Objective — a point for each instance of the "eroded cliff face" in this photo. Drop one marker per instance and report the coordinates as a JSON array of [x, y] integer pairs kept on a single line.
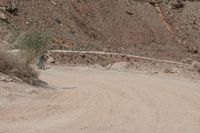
[[155, 28], [184, 18]]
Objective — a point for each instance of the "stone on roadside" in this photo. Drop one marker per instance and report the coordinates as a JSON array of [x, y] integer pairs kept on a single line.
[[171, 70], [50, 60], [120, 66]]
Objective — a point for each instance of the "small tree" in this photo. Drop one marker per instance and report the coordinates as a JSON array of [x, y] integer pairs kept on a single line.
[[34, 44]]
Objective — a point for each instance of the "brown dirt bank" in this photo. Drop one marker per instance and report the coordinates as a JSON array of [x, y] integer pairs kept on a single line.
[[159, 28]]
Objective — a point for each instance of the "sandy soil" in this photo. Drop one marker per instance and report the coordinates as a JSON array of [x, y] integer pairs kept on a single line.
[[87, 100]]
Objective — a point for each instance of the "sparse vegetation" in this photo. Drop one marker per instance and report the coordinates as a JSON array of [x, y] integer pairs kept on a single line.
[[33, 44]]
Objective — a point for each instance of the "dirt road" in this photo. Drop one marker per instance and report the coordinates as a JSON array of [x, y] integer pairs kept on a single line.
[[98, 101]]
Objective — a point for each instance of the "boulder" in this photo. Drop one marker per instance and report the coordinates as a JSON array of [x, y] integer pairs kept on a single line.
[[50, 60], [178, 4], [119, 66], [3, 16], [171, 70], [12, 8]]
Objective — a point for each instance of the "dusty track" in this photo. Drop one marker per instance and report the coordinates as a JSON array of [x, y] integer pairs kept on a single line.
[[94, 101]]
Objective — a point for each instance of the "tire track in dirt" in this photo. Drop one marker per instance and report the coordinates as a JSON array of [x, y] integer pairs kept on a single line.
[[104, 102]]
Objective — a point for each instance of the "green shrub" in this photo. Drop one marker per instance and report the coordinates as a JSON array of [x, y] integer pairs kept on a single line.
[[33, 44]]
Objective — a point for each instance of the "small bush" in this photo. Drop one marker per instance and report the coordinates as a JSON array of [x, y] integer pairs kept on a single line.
[[33, 44]]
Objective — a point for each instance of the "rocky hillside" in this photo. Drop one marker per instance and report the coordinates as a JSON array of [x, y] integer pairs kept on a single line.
[[165, 29]]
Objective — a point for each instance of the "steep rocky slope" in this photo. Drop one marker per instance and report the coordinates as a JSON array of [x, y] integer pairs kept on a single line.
[[155, 28]]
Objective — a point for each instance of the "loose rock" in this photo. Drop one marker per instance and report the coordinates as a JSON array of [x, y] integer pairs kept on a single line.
[[3, 16], [196, 66]]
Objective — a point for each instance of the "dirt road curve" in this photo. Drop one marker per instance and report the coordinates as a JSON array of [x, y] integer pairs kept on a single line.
[[94, 101]]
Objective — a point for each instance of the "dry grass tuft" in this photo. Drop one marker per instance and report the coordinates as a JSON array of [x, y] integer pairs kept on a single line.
[[14, 66], [33, 44]]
